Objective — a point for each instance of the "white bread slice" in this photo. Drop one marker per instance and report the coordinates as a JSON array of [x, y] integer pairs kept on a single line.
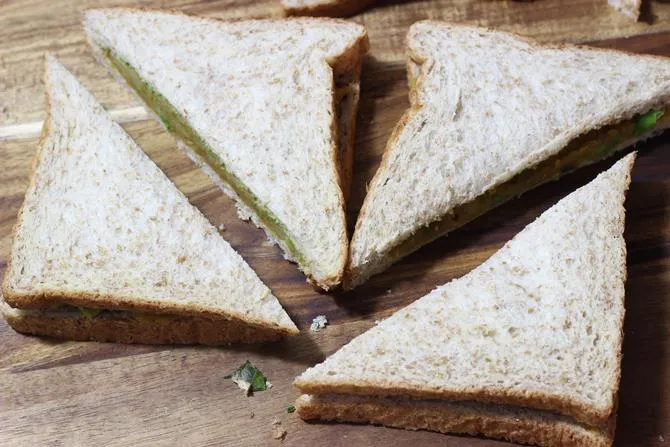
[[537, 326], [102, 227], [488, 107], [629, 8], [329, 8], [262, 96]]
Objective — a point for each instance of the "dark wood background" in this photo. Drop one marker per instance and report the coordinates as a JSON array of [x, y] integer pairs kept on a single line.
[[65, 393]]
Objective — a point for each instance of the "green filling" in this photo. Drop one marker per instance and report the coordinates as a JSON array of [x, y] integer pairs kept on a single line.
[[178, 125], [582, 151], [646, 122]]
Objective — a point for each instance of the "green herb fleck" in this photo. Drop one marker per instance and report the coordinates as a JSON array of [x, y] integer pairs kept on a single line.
[[290, 409], [647, 121], [166, 123], [249, 378], [90, 313]]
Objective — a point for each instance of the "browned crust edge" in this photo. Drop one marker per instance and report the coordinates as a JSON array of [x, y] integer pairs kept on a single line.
[[335, 8], [181, 330], [349, 61], [457, 419]]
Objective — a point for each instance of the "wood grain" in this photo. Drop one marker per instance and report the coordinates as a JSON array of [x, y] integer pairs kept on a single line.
[[64, 393]]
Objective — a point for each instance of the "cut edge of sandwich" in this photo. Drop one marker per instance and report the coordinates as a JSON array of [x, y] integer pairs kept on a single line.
[[328, 8], [20, 304], [584, 147], [346, 94], [514, 424], [119, 326]]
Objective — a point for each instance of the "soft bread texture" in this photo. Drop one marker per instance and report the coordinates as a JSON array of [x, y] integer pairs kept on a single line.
[[629, 8], [119, 327], [263, 95], [519, 425], [538, 325], [329, 8], [486, 106], [102, 227]]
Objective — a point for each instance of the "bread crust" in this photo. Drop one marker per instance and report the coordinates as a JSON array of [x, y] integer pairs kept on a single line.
[[105, 328], [334, 8], [347, 63], [524, 427], [52, 298]]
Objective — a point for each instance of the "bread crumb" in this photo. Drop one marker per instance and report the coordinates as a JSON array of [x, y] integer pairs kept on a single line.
[[278, 432], [377, 322], [389, 291], [251, 416], [661, 438], [268, 384], [221, 227], [319, 322]]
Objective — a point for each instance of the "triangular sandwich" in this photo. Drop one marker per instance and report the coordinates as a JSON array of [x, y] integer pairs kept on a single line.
[[266, 107], [526, 347], [107, 248], [493, 115]]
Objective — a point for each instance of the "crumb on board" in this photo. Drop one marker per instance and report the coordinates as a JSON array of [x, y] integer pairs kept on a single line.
[[251, 416], [389, 291], [278, 432], [221, 227], [319, 322]]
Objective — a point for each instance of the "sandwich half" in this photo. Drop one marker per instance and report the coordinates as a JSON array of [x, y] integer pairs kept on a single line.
[[267, 108], [493, 115], [106, 248], [329, 8], [526, 347]]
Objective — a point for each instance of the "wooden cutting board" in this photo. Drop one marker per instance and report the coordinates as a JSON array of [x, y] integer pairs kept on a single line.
[[64, 393]]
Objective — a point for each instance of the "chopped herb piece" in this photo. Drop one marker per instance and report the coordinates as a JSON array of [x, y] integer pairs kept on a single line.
[[249, 378], [647, 121], [290, 409]]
